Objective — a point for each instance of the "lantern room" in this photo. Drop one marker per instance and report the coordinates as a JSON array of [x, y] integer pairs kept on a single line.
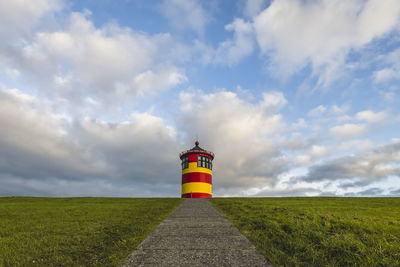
[[196, 172]]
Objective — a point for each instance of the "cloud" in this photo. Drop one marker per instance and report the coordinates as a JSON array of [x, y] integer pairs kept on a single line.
[[294, 34], [288, 192], [391, 71], [299, 142], [371, 192], [362, 169], [231, 52], [253, 7], [354, 130], [340, 110], [17, 17], [132, 148], [318, 111], [372, 117], [273, 101], [46, 153], [166, 78], [395, 192], [348, 130], [84, 120], [301, 123], [386, 74], [100, 58], [107, 63], [240, 134], [319, 151], [315, 153], [332, 113], [35, 142], [186, 15]]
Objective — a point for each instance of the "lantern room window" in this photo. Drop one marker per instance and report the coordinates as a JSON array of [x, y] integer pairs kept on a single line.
[[185, 163], [204, 162]]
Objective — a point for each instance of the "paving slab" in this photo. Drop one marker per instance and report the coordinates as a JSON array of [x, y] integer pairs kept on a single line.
[[196, 234]]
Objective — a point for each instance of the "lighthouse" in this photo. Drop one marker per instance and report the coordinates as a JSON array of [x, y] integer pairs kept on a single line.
[[196, 172]]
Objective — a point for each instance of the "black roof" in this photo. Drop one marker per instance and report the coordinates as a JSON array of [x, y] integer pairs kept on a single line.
[[196, 148]]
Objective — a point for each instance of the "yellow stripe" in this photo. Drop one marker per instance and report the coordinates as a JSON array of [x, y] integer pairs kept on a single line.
[[196, 188], [193, 168]]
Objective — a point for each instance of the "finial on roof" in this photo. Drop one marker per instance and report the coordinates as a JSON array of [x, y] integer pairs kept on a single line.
[[197, 143]]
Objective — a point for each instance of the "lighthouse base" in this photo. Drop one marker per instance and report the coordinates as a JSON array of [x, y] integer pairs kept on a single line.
[[196, 195]]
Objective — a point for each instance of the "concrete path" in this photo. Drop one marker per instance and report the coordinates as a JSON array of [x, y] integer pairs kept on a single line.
[[196, 234]]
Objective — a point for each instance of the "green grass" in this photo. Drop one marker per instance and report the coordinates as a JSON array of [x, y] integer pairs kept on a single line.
[[319, 231], [76, 231]]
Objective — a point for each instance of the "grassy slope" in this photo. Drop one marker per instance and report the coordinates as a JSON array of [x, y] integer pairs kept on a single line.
[[319, 231], [76, 231]]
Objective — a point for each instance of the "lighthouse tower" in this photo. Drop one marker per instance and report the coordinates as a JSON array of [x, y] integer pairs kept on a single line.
[[196, 172]]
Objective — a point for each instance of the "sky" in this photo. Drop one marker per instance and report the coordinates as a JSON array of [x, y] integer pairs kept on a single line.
[[294, 97]]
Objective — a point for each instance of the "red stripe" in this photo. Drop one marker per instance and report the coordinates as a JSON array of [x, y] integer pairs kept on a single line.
[[196, 195], [193, 177], [193, 158]]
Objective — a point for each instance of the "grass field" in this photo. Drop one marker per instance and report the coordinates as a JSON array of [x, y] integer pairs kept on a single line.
[[76, 231], [319, 231]]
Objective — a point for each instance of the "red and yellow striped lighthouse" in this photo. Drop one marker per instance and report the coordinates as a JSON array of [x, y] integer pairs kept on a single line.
[[196, 172]]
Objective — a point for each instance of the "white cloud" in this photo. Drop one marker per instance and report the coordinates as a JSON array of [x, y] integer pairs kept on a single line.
[[240, 134], [186, 14], [299, 142], [132, 148], [233, 51], [166, 78], [18, 16], [301, 123], [340, 110], [319, 151], [41, 146], [273, 101], [303, 160], [333, 112], [354, 130], [318, 111], [12, 73], [361, 169], [392, 69], [51, 146], [348, 130], [35, 141], [315, 153], [44, 153], [321, 33], [386, 74], [253, 7], [372, 117], [106, 63]]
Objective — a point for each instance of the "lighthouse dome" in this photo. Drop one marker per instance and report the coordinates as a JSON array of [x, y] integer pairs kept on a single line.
[[196, 149]]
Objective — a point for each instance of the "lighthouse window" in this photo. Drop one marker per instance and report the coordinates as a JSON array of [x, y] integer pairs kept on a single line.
[[204, 162], [185, 163]]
